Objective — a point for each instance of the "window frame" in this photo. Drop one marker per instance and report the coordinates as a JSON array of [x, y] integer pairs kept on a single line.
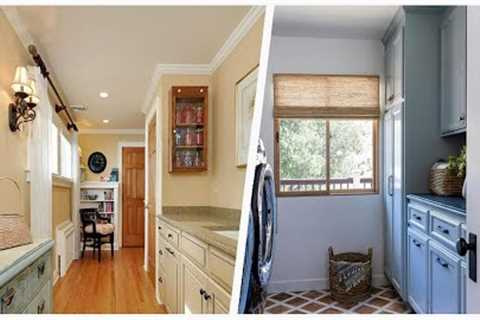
[[60, 157], [312, 115]]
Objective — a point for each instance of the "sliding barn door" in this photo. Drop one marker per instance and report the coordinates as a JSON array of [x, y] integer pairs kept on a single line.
[[133, 195]]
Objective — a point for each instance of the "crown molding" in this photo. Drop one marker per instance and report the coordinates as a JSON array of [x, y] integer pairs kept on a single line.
[[232, 41], [236, 36], [111, 131]]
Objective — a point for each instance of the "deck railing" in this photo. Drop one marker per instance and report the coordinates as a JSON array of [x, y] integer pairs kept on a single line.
[[336, 184]]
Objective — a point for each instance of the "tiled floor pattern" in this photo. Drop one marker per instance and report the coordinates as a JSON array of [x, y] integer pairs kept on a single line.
[[382, 300]]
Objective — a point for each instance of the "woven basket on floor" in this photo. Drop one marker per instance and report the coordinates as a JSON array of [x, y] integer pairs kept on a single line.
[[350, 276], [444, 182]]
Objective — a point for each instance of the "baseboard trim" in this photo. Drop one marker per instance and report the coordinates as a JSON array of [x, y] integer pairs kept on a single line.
[[313, 284]]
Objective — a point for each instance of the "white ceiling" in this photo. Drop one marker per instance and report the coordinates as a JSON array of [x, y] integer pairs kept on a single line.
[[352, 22], [115, 49]]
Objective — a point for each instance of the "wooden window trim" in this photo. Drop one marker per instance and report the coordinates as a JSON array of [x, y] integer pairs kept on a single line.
[[351, 192]]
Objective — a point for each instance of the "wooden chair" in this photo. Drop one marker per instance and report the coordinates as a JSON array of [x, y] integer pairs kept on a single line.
[[96, 231]]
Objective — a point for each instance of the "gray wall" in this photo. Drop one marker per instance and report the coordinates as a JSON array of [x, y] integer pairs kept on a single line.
[[309, 225]]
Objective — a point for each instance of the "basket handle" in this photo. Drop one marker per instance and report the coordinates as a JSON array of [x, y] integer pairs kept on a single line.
[[330, 252], [17, 186]]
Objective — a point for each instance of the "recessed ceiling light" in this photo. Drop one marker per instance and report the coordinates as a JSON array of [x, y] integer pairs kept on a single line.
[[106, 121], [103, 95]]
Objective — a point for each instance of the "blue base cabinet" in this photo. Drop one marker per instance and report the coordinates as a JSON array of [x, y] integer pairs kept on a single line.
[[436, 274]]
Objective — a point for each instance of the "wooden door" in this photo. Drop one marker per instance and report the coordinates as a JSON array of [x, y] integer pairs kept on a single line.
[[133, 195], [152, 151]]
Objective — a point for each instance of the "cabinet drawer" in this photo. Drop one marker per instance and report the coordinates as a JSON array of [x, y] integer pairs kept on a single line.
[[418, 217], [169, 233], [221, 267], [445, 281], [41, 271], [220, 298], [15, 295], [41, 304], [194, 249], [444, 228]]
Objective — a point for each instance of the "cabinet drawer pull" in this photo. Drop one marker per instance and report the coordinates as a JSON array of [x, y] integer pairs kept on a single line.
[[41, 307], [417, 217], [41, 270], [159, 228], [170, 251], [160, 252], [418, 244], [202, 292], [160, 280], [8, 297], [442, 263], [169, 235], [441, 229]]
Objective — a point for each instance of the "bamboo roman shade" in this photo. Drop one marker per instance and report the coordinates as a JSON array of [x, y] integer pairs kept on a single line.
[[326, 96]]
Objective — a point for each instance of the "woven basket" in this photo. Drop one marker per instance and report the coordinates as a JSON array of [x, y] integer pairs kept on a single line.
[[444, 182], [14, 231], [350, 276]]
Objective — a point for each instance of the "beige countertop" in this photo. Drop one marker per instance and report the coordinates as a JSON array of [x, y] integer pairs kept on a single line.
[[210, 225]]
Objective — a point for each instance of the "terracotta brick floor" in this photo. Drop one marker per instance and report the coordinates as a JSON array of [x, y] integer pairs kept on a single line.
[[383, 300]]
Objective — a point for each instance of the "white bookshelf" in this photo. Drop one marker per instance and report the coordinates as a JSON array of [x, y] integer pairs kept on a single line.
[[104, 197]]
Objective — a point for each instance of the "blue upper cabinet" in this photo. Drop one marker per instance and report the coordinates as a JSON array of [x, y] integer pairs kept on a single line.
[[453, 72], [394, 68]]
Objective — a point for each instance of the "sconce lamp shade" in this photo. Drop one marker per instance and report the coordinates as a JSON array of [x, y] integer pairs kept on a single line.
[[32, 99], [20, 83]]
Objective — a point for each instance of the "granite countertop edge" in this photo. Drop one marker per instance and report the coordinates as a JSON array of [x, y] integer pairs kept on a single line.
[[223, 243], [434, 200]]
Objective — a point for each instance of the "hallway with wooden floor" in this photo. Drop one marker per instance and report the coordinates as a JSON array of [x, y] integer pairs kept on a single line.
[[118, 285]]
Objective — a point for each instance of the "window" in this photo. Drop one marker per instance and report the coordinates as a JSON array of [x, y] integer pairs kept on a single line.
[[54, 149], [65, 157], [326, 134], [61, 152]]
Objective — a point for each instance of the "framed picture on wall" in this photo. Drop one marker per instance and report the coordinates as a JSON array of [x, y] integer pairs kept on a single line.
[[245, 90]]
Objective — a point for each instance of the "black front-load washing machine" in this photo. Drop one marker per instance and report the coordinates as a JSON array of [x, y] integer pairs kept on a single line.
[[262, 227]]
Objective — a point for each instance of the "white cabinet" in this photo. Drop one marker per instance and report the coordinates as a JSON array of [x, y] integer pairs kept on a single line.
[[453, 72], [195, 297], [171, 279], [193, 277]]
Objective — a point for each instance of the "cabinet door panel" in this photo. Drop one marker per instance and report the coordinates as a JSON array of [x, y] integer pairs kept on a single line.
[[417, 261], [194, 283], [453, 71], [398, 64], [171, 280], [445, 281], [388, 192]]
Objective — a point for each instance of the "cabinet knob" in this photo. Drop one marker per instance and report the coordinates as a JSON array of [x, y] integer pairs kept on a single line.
[[461, 118], [160, 279], [41, 307], [7, 299], [41, 270], [442, 263]]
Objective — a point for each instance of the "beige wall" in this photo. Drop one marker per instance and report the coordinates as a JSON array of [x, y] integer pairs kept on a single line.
[[227, 179], [108, 145], [222, 184], [183, 188], [13, 146]]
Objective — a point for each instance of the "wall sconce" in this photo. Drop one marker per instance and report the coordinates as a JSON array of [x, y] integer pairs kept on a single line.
[[25, 92]]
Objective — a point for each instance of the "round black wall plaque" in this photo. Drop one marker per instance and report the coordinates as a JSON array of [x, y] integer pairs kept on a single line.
[[97, 162]]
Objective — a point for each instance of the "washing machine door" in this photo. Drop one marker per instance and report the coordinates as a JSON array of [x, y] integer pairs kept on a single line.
[[265, 214]]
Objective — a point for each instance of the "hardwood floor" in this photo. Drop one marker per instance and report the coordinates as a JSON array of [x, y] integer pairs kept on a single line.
[[118, 285]]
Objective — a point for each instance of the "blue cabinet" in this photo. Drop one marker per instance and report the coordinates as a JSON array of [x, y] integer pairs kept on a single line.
[[453, 75], [436, 274], [445, 278], [417, 271]]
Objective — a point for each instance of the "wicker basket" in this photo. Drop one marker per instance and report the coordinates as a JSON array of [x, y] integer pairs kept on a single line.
[[444, 182], [350, 276]]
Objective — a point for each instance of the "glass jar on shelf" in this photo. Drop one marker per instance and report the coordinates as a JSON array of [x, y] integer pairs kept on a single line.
[[189, 137], [199, 114], [197, 162], [199, 136], [179, 114], [179, 137], [178, 159], [188, 114], [188, 159]]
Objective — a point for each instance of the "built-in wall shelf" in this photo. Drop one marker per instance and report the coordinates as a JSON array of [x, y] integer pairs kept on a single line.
[[189, 124], [104, 197]]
